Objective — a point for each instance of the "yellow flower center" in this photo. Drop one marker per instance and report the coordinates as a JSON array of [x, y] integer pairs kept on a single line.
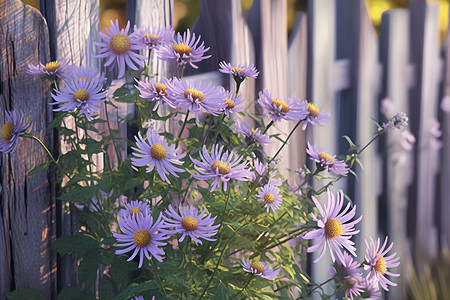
[[189, 223], [120, 43], [313, 110], [326, 157], [230, 104], [224, 169], [182, 49], [161, 88], [7, 131], [51, 67], [81, 95], [256, 265], [147, 36], [251, 131], [135, 210], [284, 106], [237, 70], [380, 265], [142, 238], [352, 281], [157, 151], [269, 198], [82, 78], [333, 228], [195, 94]]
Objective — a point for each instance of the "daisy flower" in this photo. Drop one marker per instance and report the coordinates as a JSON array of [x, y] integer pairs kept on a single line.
[[85, 95], [52, 68], [135, 207], [314, 115], [14, 127], [290, 109], [327, 161], [232, 102], [334, 230], [184, 49], [271, 197], [118, 47], [153, 37], [259, 268], [239, 72], [154, 151], [196, 96], [190, 223], [378, 263], [253, 134], [220, 166], [142, 236], [155, 91]]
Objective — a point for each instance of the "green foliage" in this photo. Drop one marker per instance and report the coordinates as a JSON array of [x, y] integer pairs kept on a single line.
[[25, 293]]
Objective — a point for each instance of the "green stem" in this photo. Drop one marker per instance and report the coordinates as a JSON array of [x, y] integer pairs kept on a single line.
[[155, 270], [182, 127], [284, 143], [222, 117], [319, 286], [238, 86], [368, 144], [116, 150], [29, 136], [267, 127], [182, 71], [187, 189], [251, 277]]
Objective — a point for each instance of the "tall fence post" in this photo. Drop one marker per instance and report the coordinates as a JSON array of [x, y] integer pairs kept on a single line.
[[27, 211]]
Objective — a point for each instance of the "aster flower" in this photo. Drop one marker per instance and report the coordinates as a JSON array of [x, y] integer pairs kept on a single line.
[[253, 134], [190, 223], [399, 121], [184, 49], [378, 263], [370, 289], [327, 161], [345, 270], [315, 116], [232, 102], [220, 166], [289, 109], [118, 47], [155, 91], [81, 94], [62, 70], [271, 197], [196, 96], [153, 37], [135, 207], [87, 74], [259, 269], [14, 127], [142, 236], [240, 72], [154, 151], [334, 230]]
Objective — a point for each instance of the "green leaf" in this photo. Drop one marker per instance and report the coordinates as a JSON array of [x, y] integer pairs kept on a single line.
[[72, 293], [137, 289], [105, 288], [39, 167], [25, 293], [87, 270], [79, 193], [75, 243], [222, 292]]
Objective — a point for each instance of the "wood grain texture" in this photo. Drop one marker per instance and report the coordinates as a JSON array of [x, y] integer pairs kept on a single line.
[[27, 202], [394, 55]]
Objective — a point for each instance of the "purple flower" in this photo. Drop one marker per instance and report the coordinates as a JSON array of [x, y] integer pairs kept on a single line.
[[87, 74], [141, 235], [185, 49], [153, 37], [52, 68], [81, 94], [232, 102], [345, 271], [327, 161], [370, 289], [14, 127], [334, 230], [196, 96], [118, 47], [378, 263], [271, 197], [135, 207], [220, 166], [155, 91], [240, 72], [259, 268], [190, 223], [253, 134], [315, 116], [290, 109], [154, 151]]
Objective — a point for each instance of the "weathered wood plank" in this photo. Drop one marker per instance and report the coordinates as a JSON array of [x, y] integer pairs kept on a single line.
[[27, 202], [394, 55], [424, 45]]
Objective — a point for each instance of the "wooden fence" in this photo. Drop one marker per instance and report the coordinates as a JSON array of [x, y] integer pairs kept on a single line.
[[333, 57]]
